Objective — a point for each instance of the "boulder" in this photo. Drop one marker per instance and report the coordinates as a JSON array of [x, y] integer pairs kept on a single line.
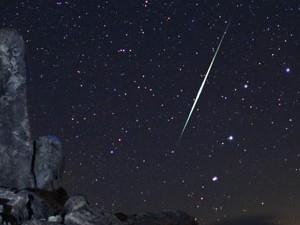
[[20, 206], [57, 218], [77, 212], [91, 216], [74, 203], [15, 141], [48, 163]]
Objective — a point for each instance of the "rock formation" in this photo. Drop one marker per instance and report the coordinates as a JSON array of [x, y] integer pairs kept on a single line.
[[48, 163], [38, 207], [22, 164], [30, 173], [15, 142]]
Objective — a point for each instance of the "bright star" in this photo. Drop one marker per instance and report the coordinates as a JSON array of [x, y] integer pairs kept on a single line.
[[230, 138]]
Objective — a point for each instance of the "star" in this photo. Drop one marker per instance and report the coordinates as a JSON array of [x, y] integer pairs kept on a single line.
[[230, 138], [215, 178]]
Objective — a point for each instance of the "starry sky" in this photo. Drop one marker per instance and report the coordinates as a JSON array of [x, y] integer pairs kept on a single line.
[[115, 81]]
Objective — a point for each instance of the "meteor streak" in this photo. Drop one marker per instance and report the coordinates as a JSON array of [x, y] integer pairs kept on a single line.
[[203, 82]]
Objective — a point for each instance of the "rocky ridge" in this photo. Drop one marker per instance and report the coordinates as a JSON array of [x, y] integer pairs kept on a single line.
[[31, 192]]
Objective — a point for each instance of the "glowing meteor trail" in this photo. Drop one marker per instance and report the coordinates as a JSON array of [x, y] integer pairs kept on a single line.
[[203, 82]]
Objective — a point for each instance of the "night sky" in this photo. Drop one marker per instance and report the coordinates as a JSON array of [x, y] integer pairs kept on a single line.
[[115, 81]]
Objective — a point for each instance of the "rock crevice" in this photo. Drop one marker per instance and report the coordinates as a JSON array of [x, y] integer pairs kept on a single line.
[[33, 162]]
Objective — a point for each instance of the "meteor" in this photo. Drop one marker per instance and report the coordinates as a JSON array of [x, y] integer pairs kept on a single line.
[[203, 82]]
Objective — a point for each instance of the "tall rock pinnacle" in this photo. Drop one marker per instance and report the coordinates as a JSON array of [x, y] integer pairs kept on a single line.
[[15, 141]]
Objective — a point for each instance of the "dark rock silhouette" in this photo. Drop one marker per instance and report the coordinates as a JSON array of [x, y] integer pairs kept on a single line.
[[165, 217], [249, 220], [30, 173]]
